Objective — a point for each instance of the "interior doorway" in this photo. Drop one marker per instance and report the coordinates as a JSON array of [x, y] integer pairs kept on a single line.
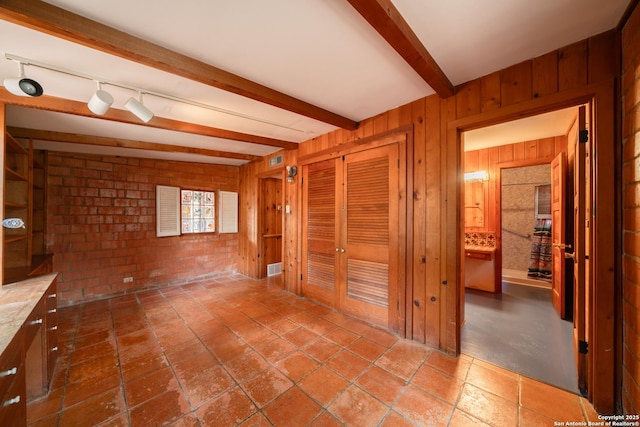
[[511, 322], [525, 194], [270, 223]]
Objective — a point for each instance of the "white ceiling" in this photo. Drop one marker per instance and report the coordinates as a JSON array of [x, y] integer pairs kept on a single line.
[[319, 51], [555, 123]]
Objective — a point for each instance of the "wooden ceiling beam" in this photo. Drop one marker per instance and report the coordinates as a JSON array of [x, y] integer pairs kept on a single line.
[[383, 16], [44, 135], [55, 21], [51, 103]]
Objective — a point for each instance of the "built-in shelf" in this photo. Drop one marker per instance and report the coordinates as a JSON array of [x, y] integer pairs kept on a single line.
[[24, 198]]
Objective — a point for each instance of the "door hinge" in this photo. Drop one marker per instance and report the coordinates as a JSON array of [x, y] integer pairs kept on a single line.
[[583, 136], [301, 277], [583, 347], [398, 163]]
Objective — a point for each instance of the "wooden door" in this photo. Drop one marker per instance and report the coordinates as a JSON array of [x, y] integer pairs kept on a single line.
[[351, 235], [320, 243], [581, 228], [558, 171], [369, 234]]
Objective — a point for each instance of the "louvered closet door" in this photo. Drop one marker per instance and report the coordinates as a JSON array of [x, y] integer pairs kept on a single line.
[[369, 234], [319, 243]]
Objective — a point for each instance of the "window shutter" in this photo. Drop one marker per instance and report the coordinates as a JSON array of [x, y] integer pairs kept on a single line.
[[167, 211], [228, 202]]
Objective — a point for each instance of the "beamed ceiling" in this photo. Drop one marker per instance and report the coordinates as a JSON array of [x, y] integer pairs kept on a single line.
[[271, 74]]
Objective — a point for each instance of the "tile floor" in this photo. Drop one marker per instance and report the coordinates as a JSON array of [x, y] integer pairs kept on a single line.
[[237, 351]]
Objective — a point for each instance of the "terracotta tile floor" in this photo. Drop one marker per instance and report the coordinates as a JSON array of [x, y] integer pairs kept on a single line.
[[237, 351]]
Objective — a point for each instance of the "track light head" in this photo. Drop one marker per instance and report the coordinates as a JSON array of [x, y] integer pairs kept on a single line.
[[23, 86], [138, 109], [100, 102]]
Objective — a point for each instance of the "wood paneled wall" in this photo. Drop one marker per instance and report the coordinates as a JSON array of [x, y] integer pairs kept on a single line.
[[519, 154], [434, 306], [250, 249]]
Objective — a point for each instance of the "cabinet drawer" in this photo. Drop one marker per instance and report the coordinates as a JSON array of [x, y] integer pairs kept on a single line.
[[34, 323], [479, 255], [10, 365], [13, 410], [51, 303]]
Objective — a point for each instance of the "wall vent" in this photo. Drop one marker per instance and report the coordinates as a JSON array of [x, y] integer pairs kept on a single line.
[[276, 161], [273, 269]]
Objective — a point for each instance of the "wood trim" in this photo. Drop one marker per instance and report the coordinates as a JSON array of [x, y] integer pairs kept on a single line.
[[601, 305], [3, 140], [525, 162], [606, 260], [452, 234], [421, 308], [432, 217], [566, 98], [389, 23], [406, 211], [44, 135], [60, 105], [55, 21], [627, 14], [389, 137]]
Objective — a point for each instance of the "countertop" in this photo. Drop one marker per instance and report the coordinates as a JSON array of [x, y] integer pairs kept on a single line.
[[482, 249], [17, 301]]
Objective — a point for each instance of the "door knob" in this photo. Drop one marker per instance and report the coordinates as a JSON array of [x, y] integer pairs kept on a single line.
[[342, 250], [569, 255], [561, 246]]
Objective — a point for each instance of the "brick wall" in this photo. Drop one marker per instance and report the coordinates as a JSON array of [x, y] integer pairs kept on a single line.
[[631, 213], [101, 226]]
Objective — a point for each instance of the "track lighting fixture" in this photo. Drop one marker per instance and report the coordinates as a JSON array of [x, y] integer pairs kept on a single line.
[[23, 86], [138, 109], [100, 102]]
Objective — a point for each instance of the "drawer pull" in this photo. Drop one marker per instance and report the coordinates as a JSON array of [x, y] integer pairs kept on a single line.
[[8, 372], [53, 310], [12, 401], [53, 295], [53, 328], [54, 349], [35, 322]]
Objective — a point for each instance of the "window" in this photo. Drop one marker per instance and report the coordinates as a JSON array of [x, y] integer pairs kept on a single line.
[[180, 211], [198, 211], [543, 201]]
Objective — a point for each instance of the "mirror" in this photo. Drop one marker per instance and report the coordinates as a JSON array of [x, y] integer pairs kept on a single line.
[[474, 201]]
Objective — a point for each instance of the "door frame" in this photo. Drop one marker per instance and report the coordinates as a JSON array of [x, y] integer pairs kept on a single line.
[[500, 167], [604, 336], [279, 173]]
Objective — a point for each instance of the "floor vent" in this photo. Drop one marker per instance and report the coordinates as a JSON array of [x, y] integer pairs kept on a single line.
[[273, 269]]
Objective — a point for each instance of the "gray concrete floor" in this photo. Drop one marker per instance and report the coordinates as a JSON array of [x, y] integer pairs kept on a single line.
[[519, 330]]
